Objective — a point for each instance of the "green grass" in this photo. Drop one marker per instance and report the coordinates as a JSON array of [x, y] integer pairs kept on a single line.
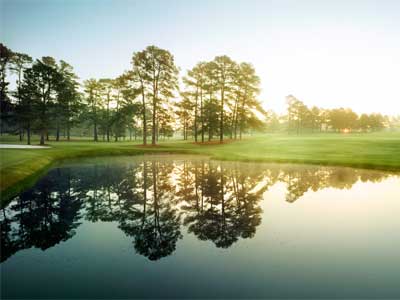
[[19, 168]]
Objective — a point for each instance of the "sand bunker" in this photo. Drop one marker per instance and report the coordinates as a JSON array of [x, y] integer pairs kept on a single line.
[[11, 146]]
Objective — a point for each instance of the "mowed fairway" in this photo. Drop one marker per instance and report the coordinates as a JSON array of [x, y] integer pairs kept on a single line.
[[21, 167]]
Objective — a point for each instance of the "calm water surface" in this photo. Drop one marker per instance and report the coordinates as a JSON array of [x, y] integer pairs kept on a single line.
[[178, 226]]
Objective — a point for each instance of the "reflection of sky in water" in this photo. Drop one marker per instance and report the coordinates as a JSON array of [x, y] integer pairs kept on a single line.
[[278, 231]]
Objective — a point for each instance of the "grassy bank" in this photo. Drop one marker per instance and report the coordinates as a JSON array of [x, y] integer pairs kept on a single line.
[[20, 167]]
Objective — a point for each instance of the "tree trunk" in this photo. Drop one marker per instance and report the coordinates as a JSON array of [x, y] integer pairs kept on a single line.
[[28, 133], [58, 132], [21, 130], [42, 134], [201, 115], [241, 125], [157, 131], [108, 118], [68, 132], [95, 131], [235, 117], [221, 124], [144, 117], [184, 129], [153, 130], [195, 116]]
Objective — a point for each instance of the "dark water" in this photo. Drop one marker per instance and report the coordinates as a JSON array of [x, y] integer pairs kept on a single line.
[[184, 227]]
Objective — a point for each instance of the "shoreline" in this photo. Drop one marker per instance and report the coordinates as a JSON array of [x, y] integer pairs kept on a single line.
[[13, 181]]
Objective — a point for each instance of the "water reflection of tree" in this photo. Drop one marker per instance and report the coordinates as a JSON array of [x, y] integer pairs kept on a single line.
[[156, 228], [219, 205], [301, 179], [217, 201], [41, 217]]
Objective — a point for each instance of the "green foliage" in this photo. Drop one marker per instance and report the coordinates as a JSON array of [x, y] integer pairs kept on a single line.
[[6, 107], [39, 89], [155, 70], [223, 99]]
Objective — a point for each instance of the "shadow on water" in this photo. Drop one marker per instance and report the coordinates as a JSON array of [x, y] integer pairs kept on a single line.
[[151, 199]]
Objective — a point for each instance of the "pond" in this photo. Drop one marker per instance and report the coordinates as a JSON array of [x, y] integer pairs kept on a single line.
[[183, 226]]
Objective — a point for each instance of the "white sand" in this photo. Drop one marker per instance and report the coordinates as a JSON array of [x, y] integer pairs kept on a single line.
[[11, 146]]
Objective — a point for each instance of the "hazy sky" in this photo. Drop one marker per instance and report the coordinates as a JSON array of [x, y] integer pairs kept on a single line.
[[328, 53]]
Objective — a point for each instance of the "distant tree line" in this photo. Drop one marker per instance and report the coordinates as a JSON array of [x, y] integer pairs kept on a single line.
[[300, 119], [219, 99]]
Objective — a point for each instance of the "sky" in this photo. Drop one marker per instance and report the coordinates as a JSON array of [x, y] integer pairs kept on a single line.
[[326, 53]]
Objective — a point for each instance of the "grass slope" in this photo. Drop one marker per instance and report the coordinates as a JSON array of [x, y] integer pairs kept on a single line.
[[19, 168]]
